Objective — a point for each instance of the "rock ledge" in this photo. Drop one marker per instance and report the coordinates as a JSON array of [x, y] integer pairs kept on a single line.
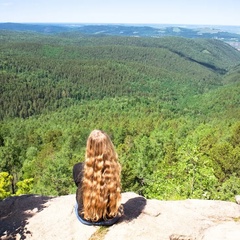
[[39, 217]]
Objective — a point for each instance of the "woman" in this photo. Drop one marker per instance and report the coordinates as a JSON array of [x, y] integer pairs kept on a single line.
[[98, 181]]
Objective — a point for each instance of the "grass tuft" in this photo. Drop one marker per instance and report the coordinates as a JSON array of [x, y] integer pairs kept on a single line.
[[99, 234]]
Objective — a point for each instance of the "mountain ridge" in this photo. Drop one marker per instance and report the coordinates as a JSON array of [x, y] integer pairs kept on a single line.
[[227, 34]]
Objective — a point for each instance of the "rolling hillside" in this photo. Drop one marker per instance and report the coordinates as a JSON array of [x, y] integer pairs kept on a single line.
[[170, 105], [47, 72]]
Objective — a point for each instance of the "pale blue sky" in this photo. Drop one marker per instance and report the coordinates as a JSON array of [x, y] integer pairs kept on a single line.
[[206, 12]]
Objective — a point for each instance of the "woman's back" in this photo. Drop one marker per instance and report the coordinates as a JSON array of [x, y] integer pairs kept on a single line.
[[99, 184]]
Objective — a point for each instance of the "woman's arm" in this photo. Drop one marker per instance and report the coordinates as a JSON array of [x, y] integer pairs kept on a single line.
[[78, 173]]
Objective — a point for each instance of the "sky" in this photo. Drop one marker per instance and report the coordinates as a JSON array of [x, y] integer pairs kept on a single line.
[[200, 12]]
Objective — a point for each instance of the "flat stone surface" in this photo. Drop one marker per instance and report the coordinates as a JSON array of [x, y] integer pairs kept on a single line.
[[39, 217]]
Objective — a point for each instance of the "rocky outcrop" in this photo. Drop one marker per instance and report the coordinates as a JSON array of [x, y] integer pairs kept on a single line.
[[38, 217]]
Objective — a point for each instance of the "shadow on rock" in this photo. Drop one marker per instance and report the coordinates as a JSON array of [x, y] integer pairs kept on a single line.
[[133, 208], [14, 213]]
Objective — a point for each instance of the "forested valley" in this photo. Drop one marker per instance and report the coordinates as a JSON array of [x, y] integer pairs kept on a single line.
[[170, 106]]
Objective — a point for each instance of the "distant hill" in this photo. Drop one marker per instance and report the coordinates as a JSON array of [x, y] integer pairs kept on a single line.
[[212, 32], [94, 67]]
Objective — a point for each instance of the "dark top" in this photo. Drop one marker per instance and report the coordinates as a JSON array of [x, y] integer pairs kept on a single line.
[[78, 176], [78, 173]]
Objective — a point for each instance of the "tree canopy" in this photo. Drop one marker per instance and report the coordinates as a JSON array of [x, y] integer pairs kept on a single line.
[[170, 105]]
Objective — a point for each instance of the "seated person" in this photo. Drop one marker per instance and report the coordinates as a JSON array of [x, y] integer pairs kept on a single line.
[[98, 182]]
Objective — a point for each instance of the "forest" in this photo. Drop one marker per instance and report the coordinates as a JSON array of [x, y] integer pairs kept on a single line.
[[170, 106]]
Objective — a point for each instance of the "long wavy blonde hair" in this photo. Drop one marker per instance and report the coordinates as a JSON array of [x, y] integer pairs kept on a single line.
[[101, 186]]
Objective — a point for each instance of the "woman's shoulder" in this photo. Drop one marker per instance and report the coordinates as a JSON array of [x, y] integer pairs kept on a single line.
[[78, 165]]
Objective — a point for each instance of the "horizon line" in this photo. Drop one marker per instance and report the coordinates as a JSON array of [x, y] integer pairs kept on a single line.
[[110, 23]]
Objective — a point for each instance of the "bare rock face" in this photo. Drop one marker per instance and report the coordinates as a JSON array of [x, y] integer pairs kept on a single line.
[[38, 217], [237, 198]]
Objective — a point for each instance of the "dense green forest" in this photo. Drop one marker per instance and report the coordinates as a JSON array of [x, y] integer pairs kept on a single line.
[[170, 105]]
